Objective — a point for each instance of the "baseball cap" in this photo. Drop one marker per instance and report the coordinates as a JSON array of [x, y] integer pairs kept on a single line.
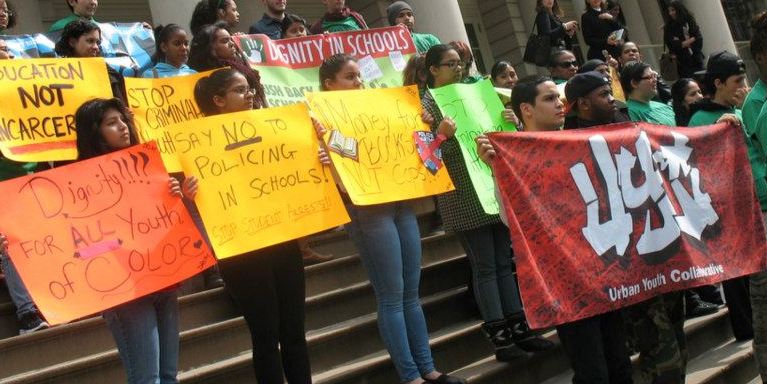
[[723, 63], [583, 83]]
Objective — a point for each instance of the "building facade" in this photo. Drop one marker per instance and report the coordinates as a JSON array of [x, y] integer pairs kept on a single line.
[[496, 29]]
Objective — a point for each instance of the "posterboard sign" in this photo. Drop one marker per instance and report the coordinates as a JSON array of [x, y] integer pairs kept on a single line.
[[476, 110], [98, 233], [261, 182], [39, 100], [606, 217], [290, 67], [159, 102], [381, 122]]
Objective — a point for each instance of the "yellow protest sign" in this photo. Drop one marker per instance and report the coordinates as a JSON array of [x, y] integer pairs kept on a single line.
[[40, 97], [382, 121], [261, 182], [160, 102]]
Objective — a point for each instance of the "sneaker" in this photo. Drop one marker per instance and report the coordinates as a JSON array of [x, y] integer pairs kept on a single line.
[[31, 322], [701, 308]]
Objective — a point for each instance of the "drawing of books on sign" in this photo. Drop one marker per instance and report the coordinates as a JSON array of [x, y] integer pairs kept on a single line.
[[342, 145]]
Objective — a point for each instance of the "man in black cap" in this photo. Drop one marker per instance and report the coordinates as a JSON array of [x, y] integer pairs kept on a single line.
[[400, 12], [271, 23], [725, 79], [591, 102]]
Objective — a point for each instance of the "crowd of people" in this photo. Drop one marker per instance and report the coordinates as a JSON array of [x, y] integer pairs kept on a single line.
[[268, 284]]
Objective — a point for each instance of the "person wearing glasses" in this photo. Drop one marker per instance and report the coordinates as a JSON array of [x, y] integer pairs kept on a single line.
[[639, 81], [483, 236], [81, 9], [267, 284], [562, 66]]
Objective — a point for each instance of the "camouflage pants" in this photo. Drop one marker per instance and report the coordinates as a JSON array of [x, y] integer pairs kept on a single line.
[[758, 284], [658, 326]]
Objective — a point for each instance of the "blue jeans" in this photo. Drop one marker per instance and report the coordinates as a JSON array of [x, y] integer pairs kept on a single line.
[[146, 333], [495, 288], [16, 288], [389, 243]]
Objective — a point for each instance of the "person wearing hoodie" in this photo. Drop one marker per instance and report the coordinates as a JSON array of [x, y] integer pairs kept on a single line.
[[400, 12], [725, 79], [338, 18]]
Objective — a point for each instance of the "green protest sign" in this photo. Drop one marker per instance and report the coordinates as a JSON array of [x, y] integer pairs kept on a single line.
[[290, 67], [476, 109]]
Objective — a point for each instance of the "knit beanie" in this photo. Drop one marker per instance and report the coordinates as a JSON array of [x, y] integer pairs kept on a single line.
[[395, 8]]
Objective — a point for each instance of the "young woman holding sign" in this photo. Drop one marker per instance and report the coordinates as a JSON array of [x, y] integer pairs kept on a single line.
[[145, 329], [484, 237], [268, 284], [389, 244]]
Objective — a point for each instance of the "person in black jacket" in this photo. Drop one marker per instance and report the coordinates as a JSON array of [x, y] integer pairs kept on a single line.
[[600, 30], [682, 36], [548, 22]]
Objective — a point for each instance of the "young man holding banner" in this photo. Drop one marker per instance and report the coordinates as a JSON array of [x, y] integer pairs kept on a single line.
[[338, 18], [271, 23]]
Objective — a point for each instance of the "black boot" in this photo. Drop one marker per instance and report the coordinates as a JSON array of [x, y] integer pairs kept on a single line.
[[524, 337], [500, 335]]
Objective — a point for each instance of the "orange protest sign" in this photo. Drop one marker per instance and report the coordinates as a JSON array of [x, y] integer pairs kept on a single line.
[[40, 97], [377, 125], [100, 232], [159, 102], [260, 179]]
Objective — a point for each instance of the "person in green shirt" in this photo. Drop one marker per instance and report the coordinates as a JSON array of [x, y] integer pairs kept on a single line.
[[400, 12], [84, 9], [338, 18], [640, 83], [755, 121], [725, 79], [562, 66]]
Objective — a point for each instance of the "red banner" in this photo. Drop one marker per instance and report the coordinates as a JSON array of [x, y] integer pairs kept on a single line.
[[610, 216], [100, 232]]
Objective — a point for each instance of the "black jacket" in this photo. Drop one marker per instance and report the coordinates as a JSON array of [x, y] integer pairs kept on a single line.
[[550, 25], [596, 31]]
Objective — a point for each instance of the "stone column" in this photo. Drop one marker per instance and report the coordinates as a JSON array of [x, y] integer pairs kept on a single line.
[[29, 18], [713, 25], [441, 18]]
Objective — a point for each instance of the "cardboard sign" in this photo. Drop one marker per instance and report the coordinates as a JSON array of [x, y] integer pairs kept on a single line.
[[476, 109], [40, 97], [290, 67], [388, 167], [611, 216], [261, 182], [160, 102], [100, 232]]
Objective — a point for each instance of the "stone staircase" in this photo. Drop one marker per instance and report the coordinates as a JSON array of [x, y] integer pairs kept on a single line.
[[341, 331]]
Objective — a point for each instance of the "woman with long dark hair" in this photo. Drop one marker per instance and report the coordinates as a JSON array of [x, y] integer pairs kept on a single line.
[[548, 21], [208, 12], [682, 36], [172, 52], [144, 329], [389, 245], [600, 30], [267, 284], [684, 93]]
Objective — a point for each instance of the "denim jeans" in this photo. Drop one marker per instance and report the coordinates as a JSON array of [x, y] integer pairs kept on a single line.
[[759, 312], [389, 243], [146, 333], [495, 288], [16, 288]]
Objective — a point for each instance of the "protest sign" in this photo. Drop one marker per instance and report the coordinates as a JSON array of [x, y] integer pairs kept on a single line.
[[476, 109], [127, 47], [98, 233], [290, 67], [611, 216], [159, 102], [388, 167], [40, 97], [261, 182]]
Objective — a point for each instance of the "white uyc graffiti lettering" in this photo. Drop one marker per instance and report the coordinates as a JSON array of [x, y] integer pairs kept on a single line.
[[623, 196]]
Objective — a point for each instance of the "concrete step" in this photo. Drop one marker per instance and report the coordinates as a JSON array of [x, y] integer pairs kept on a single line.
[[704, 335], [731, 362]]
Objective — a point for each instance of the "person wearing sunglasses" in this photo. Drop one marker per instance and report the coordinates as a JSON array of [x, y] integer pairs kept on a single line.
[[562, 66]]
